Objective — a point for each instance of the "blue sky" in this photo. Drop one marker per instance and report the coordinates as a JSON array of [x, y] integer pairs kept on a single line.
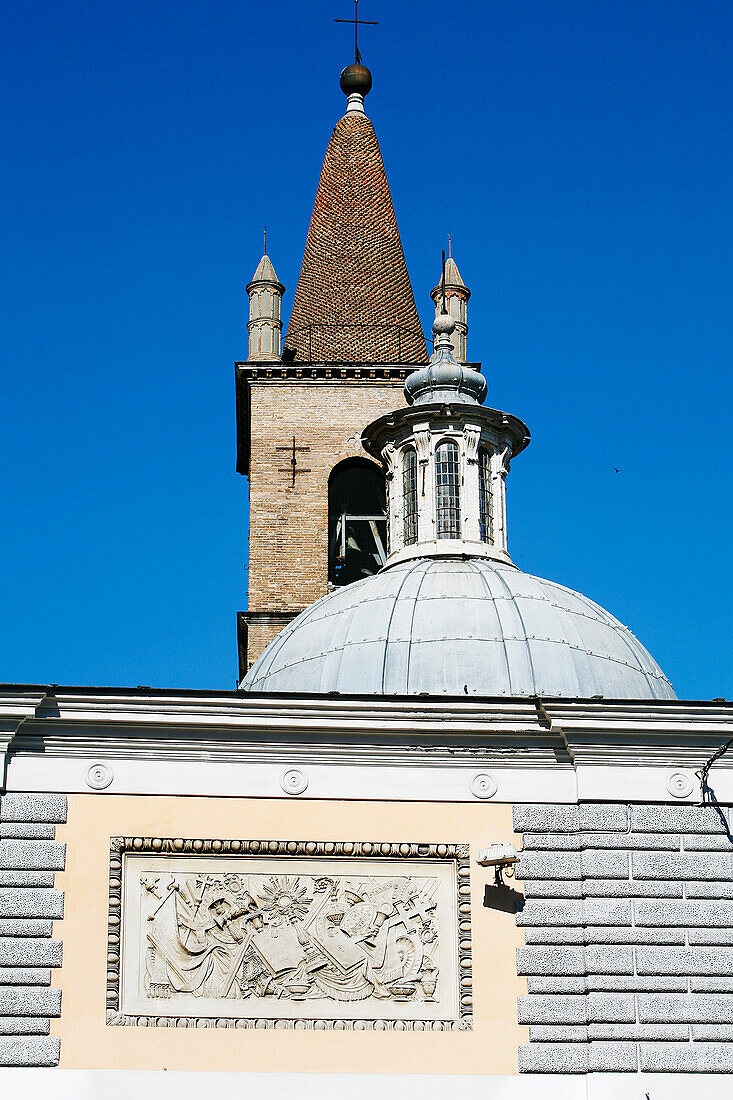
[[580, 154]]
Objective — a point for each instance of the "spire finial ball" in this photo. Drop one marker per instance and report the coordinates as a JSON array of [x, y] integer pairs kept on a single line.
[[443, 323], [356, 78]]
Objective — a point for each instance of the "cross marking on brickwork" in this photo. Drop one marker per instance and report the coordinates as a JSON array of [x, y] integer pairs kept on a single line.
[[357, 23], [293, 468]]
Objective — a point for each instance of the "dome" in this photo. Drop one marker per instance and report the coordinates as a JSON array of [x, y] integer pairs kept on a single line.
[[458, 625]]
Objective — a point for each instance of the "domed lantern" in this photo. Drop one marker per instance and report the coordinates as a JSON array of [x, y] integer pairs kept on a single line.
[[447, 457]]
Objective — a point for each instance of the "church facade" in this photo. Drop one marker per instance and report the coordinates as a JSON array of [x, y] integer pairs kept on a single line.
[[454, 828]]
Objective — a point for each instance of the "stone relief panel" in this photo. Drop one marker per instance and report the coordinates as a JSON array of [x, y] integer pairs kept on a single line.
[[257, 933]]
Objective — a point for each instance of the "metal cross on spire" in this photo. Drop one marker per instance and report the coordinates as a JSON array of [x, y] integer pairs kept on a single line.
[[357, 23]]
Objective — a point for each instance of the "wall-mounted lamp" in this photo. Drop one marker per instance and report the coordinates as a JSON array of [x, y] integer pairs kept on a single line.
[[502, 858]]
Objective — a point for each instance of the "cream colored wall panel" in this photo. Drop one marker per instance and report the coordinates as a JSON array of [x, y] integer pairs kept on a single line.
[[88, 1042]]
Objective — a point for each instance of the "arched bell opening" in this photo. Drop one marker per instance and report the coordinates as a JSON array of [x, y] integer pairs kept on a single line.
[[357, 521]]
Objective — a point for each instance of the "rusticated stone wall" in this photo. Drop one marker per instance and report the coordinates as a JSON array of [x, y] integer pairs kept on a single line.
[[29, 858], [628, 921]]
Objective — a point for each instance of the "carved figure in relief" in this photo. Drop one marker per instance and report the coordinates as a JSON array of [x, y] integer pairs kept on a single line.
[[299, 937]]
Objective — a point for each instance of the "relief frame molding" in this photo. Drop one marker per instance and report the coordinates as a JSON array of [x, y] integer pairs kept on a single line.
[[345, 851]]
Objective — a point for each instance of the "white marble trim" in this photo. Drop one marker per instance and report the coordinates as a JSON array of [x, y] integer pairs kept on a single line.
[[120, 1084]]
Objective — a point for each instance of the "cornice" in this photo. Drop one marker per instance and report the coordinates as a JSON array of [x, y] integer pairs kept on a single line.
[[47, 701], [15, 708], [354, 730], [504, 424], [279, 371], [321, 724]]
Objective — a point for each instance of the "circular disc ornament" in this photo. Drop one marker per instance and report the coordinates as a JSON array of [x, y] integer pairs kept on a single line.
[[293, 781], [99, 776], [680, 784], [483, 785]]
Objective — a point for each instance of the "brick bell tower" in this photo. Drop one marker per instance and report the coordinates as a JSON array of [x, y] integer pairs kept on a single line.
[[317, 500]]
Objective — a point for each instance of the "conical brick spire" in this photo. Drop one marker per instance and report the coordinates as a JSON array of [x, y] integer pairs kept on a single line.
[[354, 300]]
